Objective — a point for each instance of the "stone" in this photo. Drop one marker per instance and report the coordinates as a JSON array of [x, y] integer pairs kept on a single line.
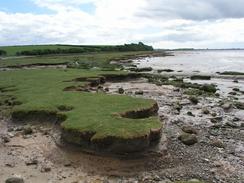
[[15, 180], [236, 89], [235, 119], [45, 168], [205, 111], [140, 92], [189, 113], [27, 130], [235, 81], [32, 161], [189, 129], [177, 106], [216, 119], [11, 165], [231, 124], [214, 114], [188, 139], [5, 139], [217, 143], [121, 91], [227, 106]]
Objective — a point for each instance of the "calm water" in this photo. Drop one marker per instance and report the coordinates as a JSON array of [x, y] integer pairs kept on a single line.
[[207, 62]]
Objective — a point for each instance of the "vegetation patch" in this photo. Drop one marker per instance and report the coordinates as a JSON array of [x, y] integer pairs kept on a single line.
[[165, 70], [91, 121], [143, 69], [231, 73], [200, 77], [179, 82]]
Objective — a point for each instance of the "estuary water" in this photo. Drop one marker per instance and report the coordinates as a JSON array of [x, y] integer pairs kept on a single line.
[[205, 62]]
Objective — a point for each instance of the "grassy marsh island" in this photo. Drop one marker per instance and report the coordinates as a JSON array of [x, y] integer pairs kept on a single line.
[[96, 120]]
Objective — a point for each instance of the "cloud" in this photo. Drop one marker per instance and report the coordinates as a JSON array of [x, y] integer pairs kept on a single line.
[[162, 23], [192, 9]]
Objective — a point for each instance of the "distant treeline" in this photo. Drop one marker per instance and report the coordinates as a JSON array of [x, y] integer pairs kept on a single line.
[[87, 49], [2, 53]]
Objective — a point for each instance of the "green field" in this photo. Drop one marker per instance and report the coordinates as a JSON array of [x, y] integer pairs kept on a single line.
[[12, 50], [37, 50], [96, 59]]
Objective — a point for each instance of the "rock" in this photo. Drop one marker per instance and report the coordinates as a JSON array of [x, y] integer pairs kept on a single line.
[[214, 130], [217, 143], [176, 90], [193, 99], [205, 111], [235, 81], [32, 161], [10, 129], [231, 124], [5, 139], [67, 164], [216, 119], [177, 107], [15, 180], [27, 130], [185, 102], [11, 165], [217, 94], [242, 125], [236, 89], [227, 106], [189, 113], [18, 129], [236, 119], [140, 92], [214, 114], [189, 129], [232, 93], [45, 168], [106, 89], [188, 139], [121, 91]]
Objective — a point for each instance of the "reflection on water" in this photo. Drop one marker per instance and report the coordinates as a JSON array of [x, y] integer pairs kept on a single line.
[[207, 62]]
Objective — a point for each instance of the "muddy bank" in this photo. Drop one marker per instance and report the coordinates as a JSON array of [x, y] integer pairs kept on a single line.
[[35, 66], [216, 156]]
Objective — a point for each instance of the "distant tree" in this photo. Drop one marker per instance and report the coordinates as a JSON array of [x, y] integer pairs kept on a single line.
[[88, 49], [3, 53]]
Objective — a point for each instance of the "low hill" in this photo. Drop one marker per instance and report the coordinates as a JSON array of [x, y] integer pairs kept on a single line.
[[28, 50]]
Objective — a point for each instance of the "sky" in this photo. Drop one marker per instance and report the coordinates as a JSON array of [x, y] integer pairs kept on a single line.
[[160, 23]]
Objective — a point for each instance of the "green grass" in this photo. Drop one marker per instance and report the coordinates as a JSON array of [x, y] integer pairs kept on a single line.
[[95, 59], [40, 90]]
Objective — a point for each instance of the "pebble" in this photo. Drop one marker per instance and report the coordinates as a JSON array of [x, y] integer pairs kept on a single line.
[[15, 179]]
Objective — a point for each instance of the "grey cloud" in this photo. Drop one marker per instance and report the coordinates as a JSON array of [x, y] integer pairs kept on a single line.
[[193, 9]]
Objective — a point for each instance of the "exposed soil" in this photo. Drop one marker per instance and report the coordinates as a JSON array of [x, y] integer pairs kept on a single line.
[[216, 157]]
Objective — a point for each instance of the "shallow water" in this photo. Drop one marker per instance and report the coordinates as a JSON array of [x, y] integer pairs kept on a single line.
[[206, 62]]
